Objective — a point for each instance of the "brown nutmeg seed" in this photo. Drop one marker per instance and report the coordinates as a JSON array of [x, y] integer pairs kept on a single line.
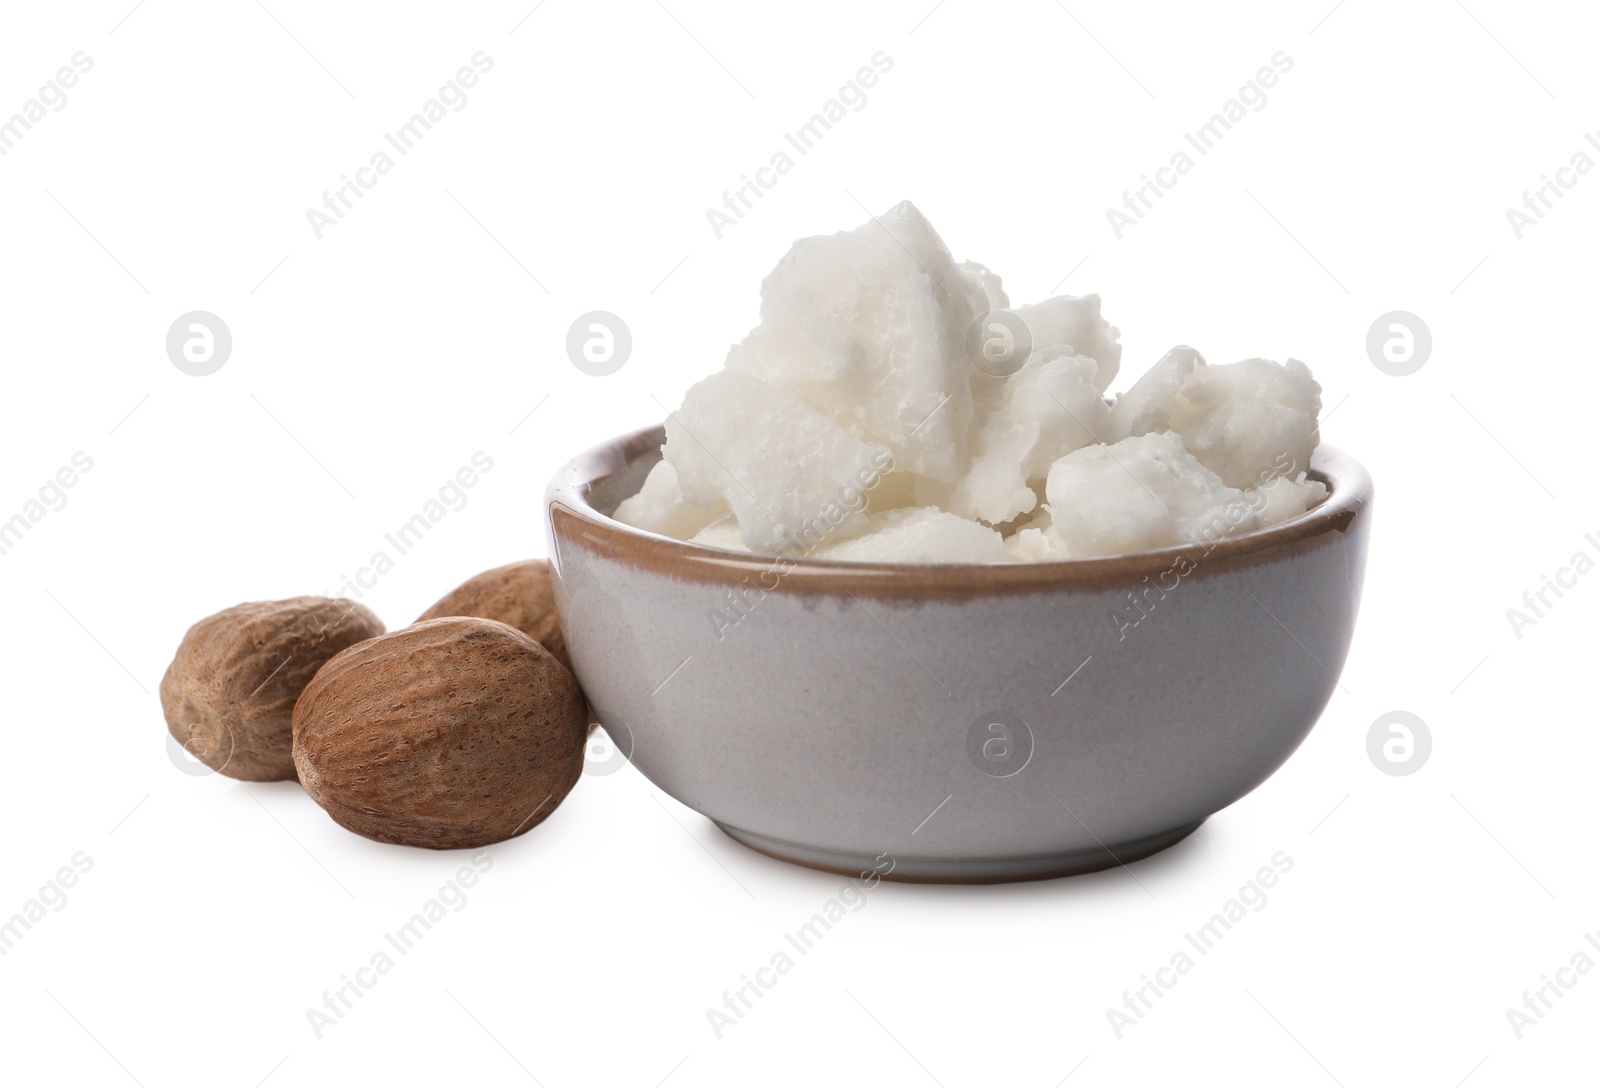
[[230, 692], [518, 594], [452, 733]]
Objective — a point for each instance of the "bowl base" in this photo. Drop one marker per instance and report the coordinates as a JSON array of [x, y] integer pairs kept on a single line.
[[968, 870]]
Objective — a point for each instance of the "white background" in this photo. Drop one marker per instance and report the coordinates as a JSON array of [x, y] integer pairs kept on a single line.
[[369, 365]]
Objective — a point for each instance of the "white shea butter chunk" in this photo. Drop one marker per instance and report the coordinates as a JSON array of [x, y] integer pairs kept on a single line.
[[659, 507], [1022, 424], [1146, 406], [1285, 498], [1249, 422], [724, 534], [791, 476], [923, 534], [1076, 322], [1141, 493], [1033, 542], [989, 283], [868, 327]]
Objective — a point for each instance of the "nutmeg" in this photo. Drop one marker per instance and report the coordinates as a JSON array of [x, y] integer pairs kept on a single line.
[[452, 733], [230, 692], [519, 594]]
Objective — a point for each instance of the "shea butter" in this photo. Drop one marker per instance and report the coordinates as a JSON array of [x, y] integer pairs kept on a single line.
[[892, 407]]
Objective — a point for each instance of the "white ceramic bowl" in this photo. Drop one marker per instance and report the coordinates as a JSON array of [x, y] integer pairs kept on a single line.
[[973, 723]]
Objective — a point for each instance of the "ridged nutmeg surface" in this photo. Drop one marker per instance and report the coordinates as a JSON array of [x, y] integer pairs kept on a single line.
[[230, 691], [518, 594], [452, 733]]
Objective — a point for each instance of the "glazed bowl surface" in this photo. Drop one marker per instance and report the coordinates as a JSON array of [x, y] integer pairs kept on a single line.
[[961, 723]]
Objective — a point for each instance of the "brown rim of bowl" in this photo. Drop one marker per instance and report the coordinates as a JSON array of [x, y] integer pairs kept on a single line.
[[574, 522]]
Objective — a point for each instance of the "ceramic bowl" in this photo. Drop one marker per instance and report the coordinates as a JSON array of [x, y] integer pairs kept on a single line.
[[961, 723]]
